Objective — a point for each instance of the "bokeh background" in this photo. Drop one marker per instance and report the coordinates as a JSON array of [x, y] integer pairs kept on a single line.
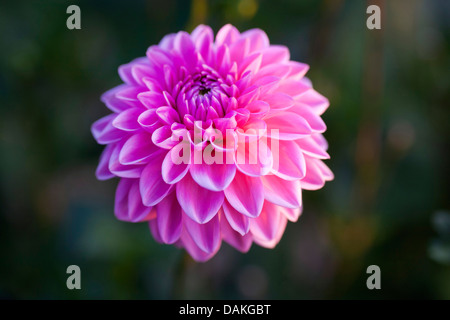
[[388, 128]]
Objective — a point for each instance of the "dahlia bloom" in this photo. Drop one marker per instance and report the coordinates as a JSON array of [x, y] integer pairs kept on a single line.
[[213, 139]]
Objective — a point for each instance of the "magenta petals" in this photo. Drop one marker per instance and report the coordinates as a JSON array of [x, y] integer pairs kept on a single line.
[[205, 235], [312, 146], [138, 149], [238, 222], [194, 250], [199, 204], [104, 132], [169, 219], [172, 172], [102, 172], [127, 120], [215, 177], [291, 163], [227, 35], [234, 238], [268, 228], [213, 138], [152, 186], [120, 170], [246, 194], [287, 126], [128, 204], [282, 192]]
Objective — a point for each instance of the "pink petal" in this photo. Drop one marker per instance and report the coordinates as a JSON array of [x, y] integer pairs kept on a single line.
[[149, 120], [282, 192], [206, 235], [137, 212], [151, 99], [326, 172], [211, 113], [293, 88], [184, 45], [278, 101], [248, 95], [291, 162], [138, 149], [153, 226], [172, 172], [102, 172], [200, 204], [314, 178], [169, 219], [196, 253], [128, 202], [152, 186], [241, 115], [242, 243], [142, 71], [287, 126], [129, 95], [273, 70], [258, 39], [254, 158], [203, 37], [292, 214], [169, 100], [120, 170], [251, 63], [104, 132], [269, 227], [258, 107], [223, 60], [214, 176], [312, 147], [112, 102], [239, 50], [275, 54], [297, 70], [321, 141], [227, 35], [162, 137], [315, 121], [125, 74], [166, 42], [128, 73], [237, 221], [315, 100], [168, 115], [267, 85], [253, 128], [246, 194], [127, 120], [158, 56], [121, 199]]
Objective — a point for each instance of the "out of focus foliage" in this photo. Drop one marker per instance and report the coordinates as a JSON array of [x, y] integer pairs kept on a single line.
[[388, 128]]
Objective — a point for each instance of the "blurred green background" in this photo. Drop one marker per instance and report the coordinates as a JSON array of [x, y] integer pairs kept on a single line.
[[388, 128]]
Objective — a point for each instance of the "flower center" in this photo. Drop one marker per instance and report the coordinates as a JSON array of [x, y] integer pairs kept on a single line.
[[203, 91], [201, 97]]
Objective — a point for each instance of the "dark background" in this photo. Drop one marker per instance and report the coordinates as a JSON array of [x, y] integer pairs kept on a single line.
[[388, 128]]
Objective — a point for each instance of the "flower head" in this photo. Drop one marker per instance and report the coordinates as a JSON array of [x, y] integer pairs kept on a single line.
[[213, 139]]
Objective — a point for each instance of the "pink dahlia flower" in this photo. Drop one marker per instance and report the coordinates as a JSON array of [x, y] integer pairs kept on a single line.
[[213, 139]]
